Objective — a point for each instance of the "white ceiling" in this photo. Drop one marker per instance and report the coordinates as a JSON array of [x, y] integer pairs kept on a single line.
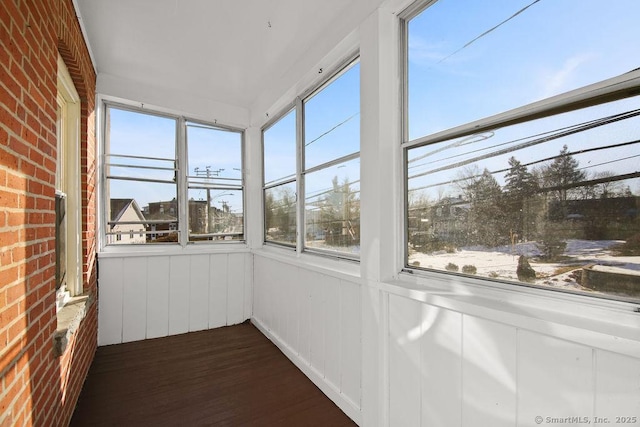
[[229, 51]]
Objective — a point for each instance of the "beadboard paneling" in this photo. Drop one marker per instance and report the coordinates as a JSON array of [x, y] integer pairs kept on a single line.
[[315, 317], [158, 295]]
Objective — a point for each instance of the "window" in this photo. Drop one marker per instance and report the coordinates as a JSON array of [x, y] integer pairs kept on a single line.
[[67, 185], [312, 170], [521, 145], [149, 200], [279, 150], [215, 183]]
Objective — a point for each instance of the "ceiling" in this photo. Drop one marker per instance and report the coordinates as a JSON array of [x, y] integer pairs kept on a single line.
[[229, 51]]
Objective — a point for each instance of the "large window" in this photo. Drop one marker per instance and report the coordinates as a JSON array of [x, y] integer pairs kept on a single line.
[[521, 145], [169, 179], [312, 170]]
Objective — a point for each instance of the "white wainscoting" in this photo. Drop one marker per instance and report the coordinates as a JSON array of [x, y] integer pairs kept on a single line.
[[154, 296], [314, 318], [448, 368]]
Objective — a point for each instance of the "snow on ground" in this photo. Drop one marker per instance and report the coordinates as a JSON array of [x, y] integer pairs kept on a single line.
[[501, 262]]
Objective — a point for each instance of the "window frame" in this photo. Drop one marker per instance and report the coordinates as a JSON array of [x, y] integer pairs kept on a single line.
[[181, 181], [618, 87], [67, 183], [297, 106], [288, 109]]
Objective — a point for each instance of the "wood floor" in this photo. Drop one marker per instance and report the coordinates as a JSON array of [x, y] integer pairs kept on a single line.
[[232, 376]]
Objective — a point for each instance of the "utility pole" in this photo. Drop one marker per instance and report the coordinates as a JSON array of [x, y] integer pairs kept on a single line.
[[207, 174]]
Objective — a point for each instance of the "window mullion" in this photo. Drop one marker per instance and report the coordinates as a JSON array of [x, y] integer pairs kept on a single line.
[[300, 204], [181, 181]]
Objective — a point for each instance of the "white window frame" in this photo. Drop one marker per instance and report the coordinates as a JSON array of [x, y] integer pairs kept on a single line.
[[298, 107], [611, 89], [290, 108], [182, 184], [68, 181]]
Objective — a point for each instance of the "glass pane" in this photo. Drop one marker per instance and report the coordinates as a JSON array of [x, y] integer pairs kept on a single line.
[[215, 214], [280, 149], [332, 208], [472, 59], [554, 202], [141, 212], [280, 214], [140, 145], [215, 155], [332, 120]]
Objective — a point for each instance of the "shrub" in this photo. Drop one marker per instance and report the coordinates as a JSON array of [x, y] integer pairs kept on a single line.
[[629, 248], [469, 269], [451, 267]]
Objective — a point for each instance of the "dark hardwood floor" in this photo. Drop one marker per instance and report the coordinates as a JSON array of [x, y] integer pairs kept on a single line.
[[232, 376]]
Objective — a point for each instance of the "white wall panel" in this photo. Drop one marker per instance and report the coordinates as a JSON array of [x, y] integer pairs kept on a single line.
[[304, 313], [110, 301], [218, 279], [134, 301], [247, 294], [332, 329], [291, 306], [199, 292], [405, 334], [157, 297], [441, 366], [350, 341], [555, 379], [236, 285], [317, 322], [617, 389], [488, 373], [179, 276]]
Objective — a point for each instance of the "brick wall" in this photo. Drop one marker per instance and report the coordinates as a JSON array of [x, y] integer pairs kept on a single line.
[[36, 387]]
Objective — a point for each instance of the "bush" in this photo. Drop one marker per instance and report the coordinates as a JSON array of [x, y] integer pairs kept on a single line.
[[629, 248], [451, 267], [469, 269]]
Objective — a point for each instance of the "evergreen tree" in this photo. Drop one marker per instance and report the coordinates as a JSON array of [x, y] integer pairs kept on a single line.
[[340, 214], [562, 174], [486, 217], [520, 188]]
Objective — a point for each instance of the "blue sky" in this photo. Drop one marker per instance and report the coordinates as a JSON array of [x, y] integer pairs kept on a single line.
[[551, 47]]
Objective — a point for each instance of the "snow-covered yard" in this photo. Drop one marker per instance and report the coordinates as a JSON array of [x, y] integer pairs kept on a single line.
[[501, 262]]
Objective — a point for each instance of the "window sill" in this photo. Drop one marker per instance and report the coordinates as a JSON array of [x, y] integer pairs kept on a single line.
[[338, 267], [69, 318], [600, 323], [116, 251]]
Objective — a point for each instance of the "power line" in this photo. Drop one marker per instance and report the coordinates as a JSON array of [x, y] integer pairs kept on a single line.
[[489, 30], [331, 130]]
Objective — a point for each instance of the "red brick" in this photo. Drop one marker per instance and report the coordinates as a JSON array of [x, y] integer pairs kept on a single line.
[[16, 182], [15, 219], [19, 146], [8, 238], [8, 315]]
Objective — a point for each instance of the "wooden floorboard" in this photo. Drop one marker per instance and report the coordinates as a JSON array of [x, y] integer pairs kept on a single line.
[[231, 376]]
